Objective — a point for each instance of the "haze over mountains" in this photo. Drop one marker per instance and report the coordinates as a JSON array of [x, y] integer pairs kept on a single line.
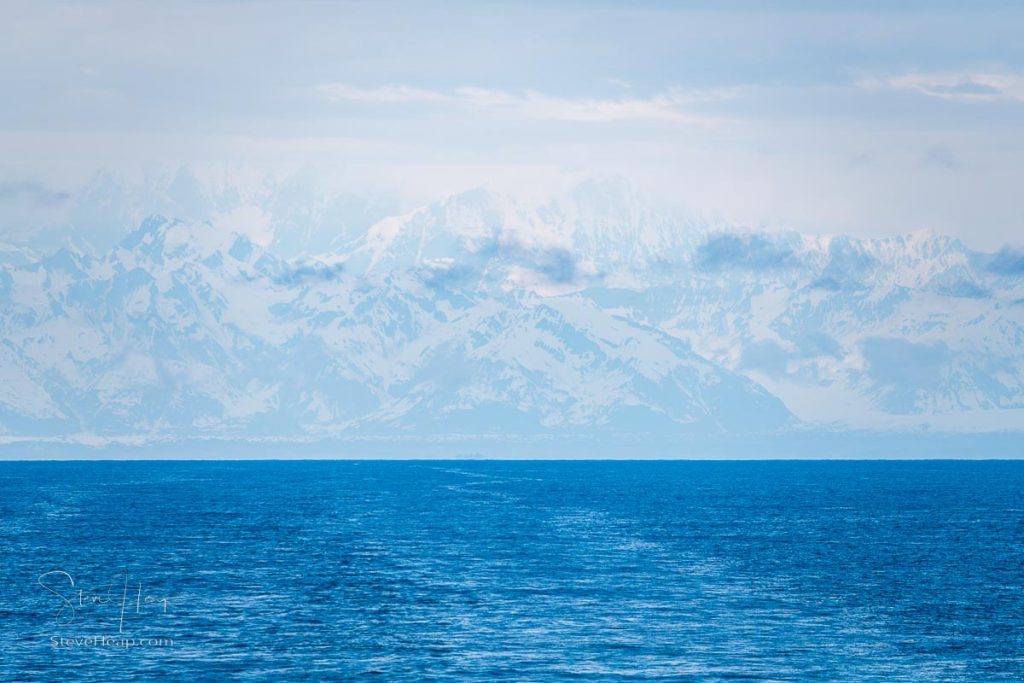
[[485, 318]]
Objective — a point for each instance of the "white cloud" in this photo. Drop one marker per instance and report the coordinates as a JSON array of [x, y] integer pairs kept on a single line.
[[668, 106], [250, 221], [958, 86], [385, 94]]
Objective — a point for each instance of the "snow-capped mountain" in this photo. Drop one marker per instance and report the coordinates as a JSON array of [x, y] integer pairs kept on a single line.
[[183, 329], [903, 331], [482, 315], [292, 215]]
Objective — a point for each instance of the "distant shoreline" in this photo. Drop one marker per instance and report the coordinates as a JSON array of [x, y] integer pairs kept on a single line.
[[810, 445]]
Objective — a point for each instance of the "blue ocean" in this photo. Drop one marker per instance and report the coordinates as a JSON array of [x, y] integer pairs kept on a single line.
[[518, 571]]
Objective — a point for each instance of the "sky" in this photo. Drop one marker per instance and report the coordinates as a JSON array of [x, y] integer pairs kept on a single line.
[[868, 118]]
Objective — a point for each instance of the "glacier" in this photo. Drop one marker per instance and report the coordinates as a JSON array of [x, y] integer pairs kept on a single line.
[[486, 323]]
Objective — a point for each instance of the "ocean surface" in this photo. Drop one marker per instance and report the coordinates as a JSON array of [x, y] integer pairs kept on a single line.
[[518, 571]]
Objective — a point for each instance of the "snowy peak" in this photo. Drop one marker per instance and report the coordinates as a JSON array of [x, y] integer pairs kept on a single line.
[[583, 313], [549, 245]]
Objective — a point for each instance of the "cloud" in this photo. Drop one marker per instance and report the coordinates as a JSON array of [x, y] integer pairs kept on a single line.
[[385, 94], [448, 276], [28, 192], [749, 252], [961, 87], [667, 106], [251, 221], [544, 264], [557, 265], [940, 157], [301, 273], [1007, 261]]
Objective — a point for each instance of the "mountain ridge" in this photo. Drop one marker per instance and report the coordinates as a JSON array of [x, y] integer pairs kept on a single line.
[[482, 315]]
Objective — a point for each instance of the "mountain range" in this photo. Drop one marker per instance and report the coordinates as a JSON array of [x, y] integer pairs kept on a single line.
[[483, 321]]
